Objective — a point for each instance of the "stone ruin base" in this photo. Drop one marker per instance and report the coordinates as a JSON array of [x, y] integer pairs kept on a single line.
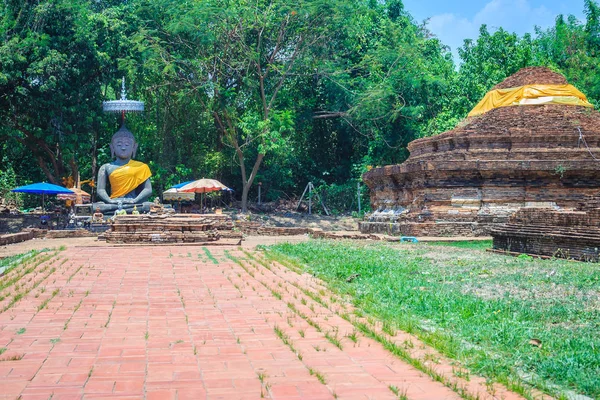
[[561, 234], [175, 228], [437, 221], [441, 229], [257, 228]]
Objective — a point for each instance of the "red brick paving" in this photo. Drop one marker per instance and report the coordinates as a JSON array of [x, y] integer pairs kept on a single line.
[[167, 322]]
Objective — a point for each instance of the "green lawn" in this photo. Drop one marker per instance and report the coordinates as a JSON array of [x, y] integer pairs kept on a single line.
[[477, 307]]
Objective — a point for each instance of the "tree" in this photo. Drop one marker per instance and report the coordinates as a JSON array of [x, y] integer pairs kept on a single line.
[[572, 47], [487, 61], [238, 59], [50, 81], [386, 79]]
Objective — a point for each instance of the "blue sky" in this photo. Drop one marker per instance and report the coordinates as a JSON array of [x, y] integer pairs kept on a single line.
[[454, 21]]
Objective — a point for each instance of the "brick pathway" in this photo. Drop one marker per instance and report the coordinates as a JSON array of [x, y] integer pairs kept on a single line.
[[192, 323]]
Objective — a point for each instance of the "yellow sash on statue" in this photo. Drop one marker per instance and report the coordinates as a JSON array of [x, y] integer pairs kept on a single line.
[[530, 95], [128, 177]]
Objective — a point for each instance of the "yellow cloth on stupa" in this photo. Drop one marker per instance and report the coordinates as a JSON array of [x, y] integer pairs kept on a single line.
[[128, 177], [530, 95]]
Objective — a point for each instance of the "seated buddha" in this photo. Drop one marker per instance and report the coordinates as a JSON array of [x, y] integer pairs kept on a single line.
[[129, 179]]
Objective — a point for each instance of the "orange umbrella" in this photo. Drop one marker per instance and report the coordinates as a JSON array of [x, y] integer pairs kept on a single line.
[[78, 195], [203, 186]]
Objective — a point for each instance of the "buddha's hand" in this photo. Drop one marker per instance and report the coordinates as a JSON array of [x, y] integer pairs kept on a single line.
[[127, 201]]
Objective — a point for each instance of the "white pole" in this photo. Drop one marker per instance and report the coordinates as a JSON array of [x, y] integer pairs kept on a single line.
[[310, 186], [358, 194], [259, 186]]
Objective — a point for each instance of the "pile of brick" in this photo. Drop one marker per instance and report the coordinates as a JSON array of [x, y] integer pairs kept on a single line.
[[552, 233], [178, 228], [478, 174]]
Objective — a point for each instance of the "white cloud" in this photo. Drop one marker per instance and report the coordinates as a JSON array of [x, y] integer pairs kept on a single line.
[[513, 15]]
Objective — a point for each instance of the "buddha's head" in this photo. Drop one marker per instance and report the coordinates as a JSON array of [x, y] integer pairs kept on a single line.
[[123, 145]]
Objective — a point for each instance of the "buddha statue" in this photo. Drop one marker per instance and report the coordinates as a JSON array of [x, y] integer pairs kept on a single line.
[[129, 179], [120, 210], [98, 217]]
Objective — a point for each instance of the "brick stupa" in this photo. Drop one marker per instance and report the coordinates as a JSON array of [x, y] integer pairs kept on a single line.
[[465, 180]]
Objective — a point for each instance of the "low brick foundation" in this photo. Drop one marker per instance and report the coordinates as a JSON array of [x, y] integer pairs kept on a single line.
[[69, 233], [425, 228], [562, 234], [15, 238], [256, 228], [178, 228], [320, 234]]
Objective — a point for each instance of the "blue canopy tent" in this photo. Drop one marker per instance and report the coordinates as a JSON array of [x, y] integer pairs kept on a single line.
[[42, 188], [180, 185]]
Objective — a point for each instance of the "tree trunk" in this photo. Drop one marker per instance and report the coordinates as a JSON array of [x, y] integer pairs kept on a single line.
[[46, 170], [245, 191], [250, 181]]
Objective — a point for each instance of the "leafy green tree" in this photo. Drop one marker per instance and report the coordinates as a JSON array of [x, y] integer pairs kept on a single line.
[[386, 79], [237, 59], [49, 82], [8, 181], [487, 61], [572, 47]]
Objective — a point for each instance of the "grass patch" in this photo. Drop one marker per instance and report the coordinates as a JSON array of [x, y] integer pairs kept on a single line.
[[210, 256], [465, 244], [13, 358], [334, 340], [479, 307], [45, 302], [320, 377]]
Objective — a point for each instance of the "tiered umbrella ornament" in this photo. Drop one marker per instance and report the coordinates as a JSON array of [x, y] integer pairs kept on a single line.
[[123, 105]]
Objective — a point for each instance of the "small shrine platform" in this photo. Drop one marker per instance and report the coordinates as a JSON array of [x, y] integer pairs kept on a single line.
[[174, 228]]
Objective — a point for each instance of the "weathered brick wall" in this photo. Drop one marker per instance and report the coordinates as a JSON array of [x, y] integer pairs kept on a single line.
[[16, 223]]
